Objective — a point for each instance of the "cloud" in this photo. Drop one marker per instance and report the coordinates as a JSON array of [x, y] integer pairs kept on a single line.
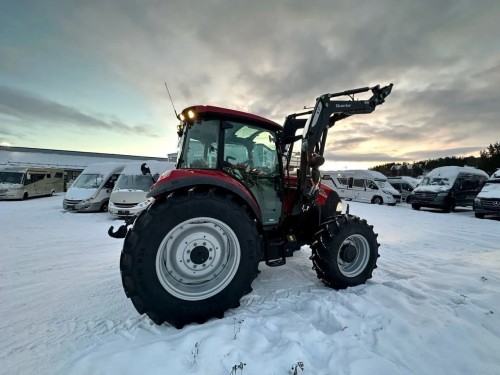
[[29, 108], [271, 59]]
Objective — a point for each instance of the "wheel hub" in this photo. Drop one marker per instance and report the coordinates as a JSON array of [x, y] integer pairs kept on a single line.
[[199, 255], [348, 253]]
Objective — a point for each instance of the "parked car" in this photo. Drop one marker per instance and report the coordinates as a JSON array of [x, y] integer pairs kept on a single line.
[[362, 186], [448, 187], [405, 185], [128, 197], [487, 201]]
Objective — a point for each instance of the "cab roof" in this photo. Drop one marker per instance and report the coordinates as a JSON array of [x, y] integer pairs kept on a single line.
[[208, 111]]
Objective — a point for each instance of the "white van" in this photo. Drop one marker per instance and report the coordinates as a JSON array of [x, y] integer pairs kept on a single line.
[[405, 185], [128, 197], [362, 186], [448, 187], [487, 201], [28, 182], [92, 188]]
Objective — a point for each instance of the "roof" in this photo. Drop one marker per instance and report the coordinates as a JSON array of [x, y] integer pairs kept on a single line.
[[452, 171], [231, 113], [77, 160]]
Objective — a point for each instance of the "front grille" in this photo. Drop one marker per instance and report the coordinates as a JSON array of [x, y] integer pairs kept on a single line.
[[491, 204], [124, 205], [397, 196], [425, 195], [72, 201]]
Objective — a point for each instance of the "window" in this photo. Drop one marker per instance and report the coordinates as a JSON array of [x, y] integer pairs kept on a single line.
[[344, 181], [200, 145], [252, 147], [406, 187], [359, 183], [34, 177], [11, 177]]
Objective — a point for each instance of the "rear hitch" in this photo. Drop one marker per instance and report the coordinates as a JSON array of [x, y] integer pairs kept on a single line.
[[121, 232]]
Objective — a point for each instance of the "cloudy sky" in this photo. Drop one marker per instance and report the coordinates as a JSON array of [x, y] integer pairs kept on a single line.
[[89, 75]]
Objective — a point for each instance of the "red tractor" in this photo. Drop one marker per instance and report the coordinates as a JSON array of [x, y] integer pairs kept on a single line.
[[234, 201]]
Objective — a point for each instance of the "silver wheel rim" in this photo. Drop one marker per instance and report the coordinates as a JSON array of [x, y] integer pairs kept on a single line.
[[357, 265], [198, 258]]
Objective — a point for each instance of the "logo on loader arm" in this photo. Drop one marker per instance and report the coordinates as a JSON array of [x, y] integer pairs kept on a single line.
[[316, 114]]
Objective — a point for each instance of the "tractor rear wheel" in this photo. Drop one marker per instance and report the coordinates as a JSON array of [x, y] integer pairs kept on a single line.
[[190, 257], [345, 252]]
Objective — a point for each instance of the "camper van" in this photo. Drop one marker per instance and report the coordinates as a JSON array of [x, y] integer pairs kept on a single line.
[[92, 188], [362, 186], [487, 201], [448, 187], [128, 197], [28, 182], [405, 185]]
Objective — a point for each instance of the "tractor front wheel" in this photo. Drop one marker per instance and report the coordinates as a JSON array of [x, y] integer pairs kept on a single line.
[[345, 252], [190, 258]]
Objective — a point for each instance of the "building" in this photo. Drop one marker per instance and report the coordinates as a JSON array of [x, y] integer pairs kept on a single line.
[[72, 162]]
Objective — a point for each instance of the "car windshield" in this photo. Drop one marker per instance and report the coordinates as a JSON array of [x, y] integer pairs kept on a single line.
[[134, 182], [441, 181], [381, 184], [11, 177], [88, 181]]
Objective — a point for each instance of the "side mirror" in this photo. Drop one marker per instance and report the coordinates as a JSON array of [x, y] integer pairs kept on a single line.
[[145, 169]]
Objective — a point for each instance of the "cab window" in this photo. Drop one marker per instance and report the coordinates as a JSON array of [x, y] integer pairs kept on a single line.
[[200, 145]]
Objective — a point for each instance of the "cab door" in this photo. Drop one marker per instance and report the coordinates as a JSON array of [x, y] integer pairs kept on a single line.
[[251, 156]]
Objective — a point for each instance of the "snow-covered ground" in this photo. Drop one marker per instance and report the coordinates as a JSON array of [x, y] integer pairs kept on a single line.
[[432, 307]]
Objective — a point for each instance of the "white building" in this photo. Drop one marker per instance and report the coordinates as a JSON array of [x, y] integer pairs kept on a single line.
[[72, 162]]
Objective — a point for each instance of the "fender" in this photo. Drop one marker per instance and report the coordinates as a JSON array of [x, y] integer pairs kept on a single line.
[[182, 178]]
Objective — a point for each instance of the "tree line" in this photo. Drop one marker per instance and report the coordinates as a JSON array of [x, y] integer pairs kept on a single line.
[[488, 161]]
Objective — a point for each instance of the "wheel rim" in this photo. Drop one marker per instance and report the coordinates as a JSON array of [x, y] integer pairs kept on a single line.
[[198, 258], [353, 256]]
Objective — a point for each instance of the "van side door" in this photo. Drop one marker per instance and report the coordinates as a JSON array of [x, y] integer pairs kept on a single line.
[[371, 190], [359, 190]]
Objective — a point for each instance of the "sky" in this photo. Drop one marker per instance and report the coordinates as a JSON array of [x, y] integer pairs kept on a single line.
[[431, 307], [90, 75]]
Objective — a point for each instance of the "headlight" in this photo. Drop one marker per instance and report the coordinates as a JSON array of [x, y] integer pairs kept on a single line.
[[88, 200], [442, 194], [477, 201], [386, 192], [339, 207], [146, 203]]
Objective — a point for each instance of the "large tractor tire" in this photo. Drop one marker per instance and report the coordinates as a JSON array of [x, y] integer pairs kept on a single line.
[[190, 257], [345, 252]]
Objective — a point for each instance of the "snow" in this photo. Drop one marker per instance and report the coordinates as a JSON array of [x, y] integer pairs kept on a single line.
[[490, 190], [432, 307]]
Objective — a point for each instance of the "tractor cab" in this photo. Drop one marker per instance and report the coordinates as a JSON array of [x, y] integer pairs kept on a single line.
[[242, 146]]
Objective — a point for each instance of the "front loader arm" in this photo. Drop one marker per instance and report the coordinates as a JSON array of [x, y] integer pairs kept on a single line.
[[325, 114]]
